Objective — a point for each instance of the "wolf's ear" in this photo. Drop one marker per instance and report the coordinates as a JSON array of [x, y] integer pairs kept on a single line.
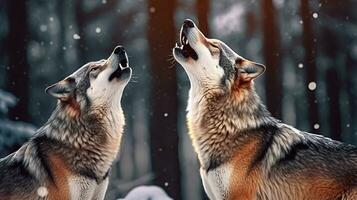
[[62, 90], [250, 70]]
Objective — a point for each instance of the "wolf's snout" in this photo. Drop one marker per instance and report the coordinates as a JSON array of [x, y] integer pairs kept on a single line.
[[120, 63], [188, 23], [120, 52]]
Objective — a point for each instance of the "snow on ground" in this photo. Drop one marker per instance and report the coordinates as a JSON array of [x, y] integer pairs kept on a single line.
[[147, 193]]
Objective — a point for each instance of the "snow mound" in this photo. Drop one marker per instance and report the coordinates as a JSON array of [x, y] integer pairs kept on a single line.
[[6, 100], [147, 193], [13, 135]]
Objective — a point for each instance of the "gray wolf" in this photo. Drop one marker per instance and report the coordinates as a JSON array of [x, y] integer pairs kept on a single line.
[[244, 152], [70, 156]]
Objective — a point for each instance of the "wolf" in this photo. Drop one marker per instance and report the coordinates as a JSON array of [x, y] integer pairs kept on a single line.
[[244, 152], [70, 156]]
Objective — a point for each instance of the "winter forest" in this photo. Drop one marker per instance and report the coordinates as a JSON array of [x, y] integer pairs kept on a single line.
[[308, 46]]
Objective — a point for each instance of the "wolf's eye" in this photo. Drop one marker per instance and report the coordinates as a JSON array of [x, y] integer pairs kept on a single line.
[[94, 69], [214, 49], [94, 72], [215, 46]]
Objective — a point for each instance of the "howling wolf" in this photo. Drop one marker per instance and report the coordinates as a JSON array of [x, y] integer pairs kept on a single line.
[[244, 152], [70, 156]]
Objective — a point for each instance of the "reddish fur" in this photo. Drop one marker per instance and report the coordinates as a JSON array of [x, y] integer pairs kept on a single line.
[[72, 108], [58, 189], [243, 183], [241, 89]]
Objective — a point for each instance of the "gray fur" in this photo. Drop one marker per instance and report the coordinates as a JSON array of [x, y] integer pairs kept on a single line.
[[82, 134], [226, 116]]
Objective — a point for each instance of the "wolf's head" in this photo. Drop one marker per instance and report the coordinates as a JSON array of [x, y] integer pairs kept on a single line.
[[96, 85], [211, 64]]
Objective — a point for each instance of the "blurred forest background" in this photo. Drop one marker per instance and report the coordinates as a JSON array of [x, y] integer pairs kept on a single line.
[[308, 46]]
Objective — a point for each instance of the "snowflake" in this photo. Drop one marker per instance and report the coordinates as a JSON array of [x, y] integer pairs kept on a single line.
[[152, 9], [166, 114], [312, 86], [316, 126], [315, 15], [43, 28], [300, 65], [98, 30], [76, 36], [42, 191]]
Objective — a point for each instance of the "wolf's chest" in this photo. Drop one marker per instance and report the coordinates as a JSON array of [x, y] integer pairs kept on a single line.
[[217, 182], [81, 188]]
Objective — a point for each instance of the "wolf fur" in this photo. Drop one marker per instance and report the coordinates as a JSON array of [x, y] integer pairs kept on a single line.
[[70, 156], [243, 151]]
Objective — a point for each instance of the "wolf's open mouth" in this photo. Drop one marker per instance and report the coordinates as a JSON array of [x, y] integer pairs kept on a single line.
[[121, 59], [119, 71], [184, 46]]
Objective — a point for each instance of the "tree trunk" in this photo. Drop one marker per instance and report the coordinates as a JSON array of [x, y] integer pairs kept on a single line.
[[83, 18], [202, 9], [163, 116], [18, 73], [351, 86], [309, 62], [331, 49], [81, 21], [333, 92], [271, 51]]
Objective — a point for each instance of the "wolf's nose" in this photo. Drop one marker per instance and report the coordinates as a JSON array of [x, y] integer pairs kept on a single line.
[[188, 23], [119, 50]]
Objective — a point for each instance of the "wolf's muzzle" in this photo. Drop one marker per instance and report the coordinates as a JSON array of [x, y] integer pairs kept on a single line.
[[183, 47], [122, 65], [120, 52], [188, 23]]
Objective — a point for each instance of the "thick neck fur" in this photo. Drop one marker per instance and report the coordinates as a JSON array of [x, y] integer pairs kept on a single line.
[[218, 120], [87, 143]]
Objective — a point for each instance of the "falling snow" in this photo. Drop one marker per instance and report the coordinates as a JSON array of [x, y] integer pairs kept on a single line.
[[316, 126], [98, 30], [43, 28], [315, 15], [300, 65], [312, 86], [76, 36], [42, 191], [166, 114], [152, 9]]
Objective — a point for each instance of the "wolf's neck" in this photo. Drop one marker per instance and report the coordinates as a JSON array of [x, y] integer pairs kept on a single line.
[[218, 124], [89, 141]]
